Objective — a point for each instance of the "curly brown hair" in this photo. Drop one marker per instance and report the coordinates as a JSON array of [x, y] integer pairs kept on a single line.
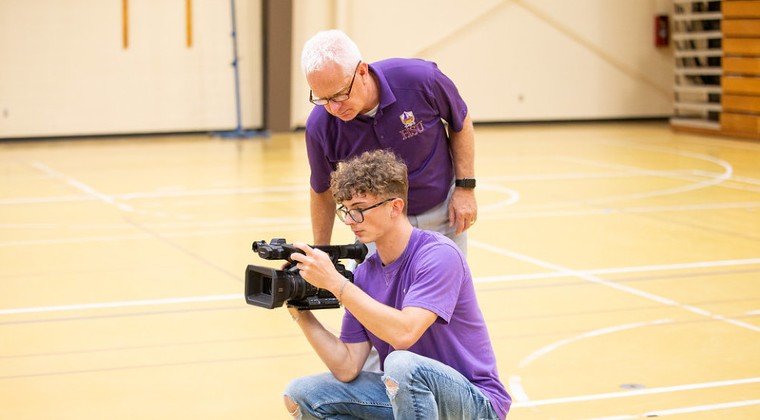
[[377, 172]]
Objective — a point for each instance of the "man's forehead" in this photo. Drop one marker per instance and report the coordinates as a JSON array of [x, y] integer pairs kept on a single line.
[[359, 199], [329, 73]]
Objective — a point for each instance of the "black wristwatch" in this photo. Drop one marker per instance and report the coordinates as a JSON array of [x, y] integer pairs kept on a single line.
[[465, 183]]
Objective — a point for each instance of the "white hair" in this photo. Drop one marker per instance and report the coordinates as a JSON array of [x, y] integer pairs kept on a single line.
[[330, 46]]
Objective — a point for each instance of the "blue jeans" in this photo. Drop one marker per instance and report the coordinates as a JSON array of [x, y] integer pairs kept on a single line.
[[413, 387]]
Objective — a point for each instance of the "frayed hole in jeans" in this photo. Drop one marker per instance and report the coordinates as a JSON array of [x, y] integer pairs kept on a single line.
[[391, 387], [293, 408]]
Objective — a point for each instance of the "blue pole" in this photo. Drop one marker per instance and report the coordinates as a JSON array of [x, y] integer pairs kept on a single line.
[[235, 66], [238, 132]]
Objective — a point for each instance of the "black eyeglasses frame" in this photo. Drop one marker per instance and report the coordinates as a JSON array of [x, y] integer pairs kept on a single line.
[[342, 211], [340, 97]]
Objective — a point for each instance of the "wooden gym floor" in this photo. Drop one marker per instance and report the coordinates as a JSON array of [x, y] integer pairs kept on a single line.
[[617, 266]]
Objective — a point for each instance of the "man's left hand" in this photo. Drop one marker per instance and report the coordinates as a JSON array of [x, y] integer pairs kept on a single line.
[[463, 210]]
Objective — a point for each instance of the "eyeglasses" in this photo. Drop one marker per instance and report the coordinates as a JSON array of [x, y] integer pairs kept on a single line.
[[337, 98], [357, 215]]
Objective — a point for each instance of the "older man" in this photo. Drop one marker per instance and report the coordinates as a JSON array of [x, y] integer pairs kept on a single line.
[[405, 105]]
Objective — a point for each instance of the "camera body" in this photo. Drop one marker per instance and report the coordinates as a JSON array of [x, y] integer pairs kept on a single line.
[[270, 288]]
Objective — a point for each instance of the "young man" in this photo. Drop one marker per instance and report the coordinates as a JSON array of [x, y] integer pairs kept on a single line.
[[405, 105], [413, 300]]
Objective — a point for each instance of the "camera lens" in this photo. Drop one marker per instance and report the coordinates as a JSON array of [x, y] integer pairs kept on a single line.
[[266, 286]]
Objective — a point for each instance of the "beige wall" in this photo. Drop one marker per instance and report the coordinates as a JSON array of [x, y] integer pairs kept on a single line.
[[63, 70], [512, 59]]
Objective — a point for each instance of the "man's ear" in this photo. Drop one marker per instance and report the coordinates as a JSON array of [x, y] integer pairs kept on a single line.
[[397, 207]]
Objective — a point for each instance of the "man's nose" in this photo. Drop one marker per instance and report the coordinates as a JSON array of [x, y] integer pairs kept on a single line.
[[334, 106]]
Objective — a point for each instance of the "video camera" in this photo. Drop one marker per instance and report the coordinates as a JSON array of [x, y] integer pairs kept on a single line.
[[269, 288]]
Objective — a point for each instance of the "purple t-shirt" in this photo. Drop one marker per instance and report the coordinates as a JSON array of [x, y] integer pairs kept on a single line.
[[414, 99], [432, 274]]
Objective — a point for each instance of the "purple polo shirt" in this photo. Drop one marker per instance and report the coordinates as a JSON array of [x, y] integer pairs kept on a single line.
[[432, 274], [414, 99]]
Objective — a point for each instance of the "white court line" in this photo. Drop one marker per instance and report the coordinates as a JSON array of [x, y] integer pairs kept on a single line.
[[718, 179], [635, 393], [537, 276], [82, 187], [700, 408], [291, 189], [516, 389], [685, 410], [512, 197], [543, 351], [566, 176], [512, 215], [296, 226], [216, 191], [155, 194], [46, 200], [527, 213], [728, 171], [82, 198], [620, 287], [620, 270], [288, 222], [122, 304], [745, 183]]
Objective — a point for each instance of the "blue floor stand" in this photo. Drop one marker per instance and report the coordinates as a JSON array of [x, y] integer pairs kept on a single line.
[[239, 132]]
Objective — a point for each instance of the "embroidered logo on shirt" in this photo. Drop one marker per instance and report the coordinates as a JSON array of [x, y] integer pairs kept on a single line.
[[410, 128], [407, 118]]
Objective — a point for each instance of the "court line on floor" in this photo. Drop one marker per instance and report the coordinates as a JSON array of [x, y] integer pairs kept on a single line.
[[620, 287], [516, 390], [522, 395], [701, 408], [710, 182], [513, 196], [628, 171], [568, 176], [527, 213], [159, 365], [269, 223], [246, 191], [715, 180], [122, 304], [635, 393], [490, 279], [684, 410], [620, 270], [543, 351], [85, 198], [154, 346], [81, 186], [137, 225]]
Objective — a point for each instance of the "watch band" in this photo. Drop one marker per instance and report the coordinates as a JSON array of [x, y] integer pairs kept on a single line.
[[465, 183]]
